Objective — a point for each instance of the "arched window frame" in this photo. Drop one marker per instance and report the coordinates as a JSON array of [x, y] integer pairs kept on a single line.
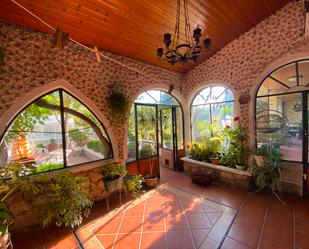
[[290, 90], [61, 91], [212, 103]]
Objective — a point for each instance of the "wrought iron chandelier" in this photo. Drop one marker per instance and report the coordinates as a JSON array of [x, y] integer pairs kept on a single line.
[[190, 50]]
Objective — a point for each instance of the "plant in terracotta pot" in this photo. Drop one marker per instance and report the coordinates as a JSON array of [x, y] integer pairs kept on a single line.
[[267, 153], [214, 146], [235, 154], [151, 180], [113, 176], [133, 183], [268, 175]]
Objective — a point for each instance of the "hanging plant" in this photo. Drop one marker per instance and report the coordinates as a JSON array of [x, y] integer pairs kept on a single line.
[[119, 105]]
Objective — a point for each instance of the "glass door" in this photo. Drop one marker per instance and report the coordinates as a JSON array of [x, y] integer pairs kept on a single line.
[[171, 137], [305, 141], [146, 120]]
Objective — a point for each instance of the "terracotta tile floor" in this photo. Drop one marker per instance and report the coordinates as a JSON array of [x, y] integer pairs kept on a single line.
[[152, 222], [183, 215]]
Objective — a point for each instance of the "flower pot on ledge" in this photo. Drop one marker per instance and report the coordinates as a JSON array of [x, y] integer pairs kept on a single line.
[[214, 160], [240, 167], [151, 182]]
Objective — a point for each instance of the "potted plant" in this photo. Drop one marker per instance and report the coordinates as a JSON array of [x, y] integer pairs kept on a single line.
[[214, 145], [235, 154], [113, 176], [66, 199], [198, 151], [266, 173], [267, 153], [133, 183], [151, 180]]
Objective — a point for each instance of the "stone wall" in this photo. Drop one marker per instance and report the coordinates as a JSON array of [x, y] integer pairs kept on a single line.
[[32, 61]]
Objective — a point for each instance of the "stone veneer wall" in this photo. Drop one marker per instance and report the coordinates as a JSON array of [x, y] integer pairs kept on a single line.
[[33, 61]]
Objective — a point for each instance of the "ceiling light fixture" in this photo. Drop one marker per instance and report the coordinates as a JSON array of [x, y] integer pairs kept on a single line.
[[294, 78], [177, 52]]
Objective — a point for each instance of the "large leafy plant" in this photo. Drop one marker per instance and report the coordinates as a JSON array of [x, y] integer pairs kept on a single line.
[[198, 151], [235, 152], [66, 200], [113, 172], [69, 200], [269, 174]]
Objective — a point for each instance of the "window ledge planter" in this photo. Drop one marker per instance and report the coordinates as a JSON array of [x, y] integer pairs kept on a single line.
[[114, 185], [233, 177]]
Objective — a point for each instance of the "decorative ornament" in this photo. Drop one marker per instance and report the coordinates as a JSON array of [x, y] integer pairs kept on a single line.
[[171, 88], [297, 107], [120, 107], [244, 99], [60, 38], [177, 52]]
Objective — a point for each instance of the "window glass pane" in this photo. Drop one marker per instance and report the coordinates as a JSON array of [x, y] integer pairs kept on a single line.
[[198, 100], [86, 139], [145, 97], [279, 121], [303, 67], [166, 99], [179, 128], [222, 114], [200, 121], [156, 97], [35, 135], [147, 138], [286, 74], [131, 137], [213, 105], [271, 86], [167, 128]]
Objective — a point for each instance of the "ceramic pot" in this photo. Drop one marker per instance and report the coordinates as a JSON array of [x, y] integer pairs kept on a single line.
[[260, 160], [215, 161], [151, 182], [241, 167]]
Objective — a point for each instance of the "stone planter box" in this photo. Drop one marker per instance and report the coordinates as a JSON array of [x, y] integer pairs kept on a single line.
[[233, 177]]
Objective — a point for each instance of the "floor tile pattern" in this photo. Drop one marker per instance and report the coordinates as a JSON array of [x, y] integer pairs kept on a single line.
[[167, 218], [262, 221]]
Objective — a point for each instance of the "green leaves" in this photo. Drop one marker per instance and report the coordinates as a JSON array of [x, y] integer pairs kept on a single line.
[[67, 201], [70, 202], [113, 171], [5, 218]]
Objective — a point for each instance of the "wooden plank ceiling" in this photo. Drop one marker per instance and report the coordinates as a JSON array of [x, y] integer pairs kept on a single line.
[[135, 28]]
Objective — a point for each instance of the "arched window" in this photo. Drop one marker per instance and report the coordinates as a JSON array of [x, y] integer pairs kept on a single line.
[[282, 110], [213, 106], [53, 132]]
